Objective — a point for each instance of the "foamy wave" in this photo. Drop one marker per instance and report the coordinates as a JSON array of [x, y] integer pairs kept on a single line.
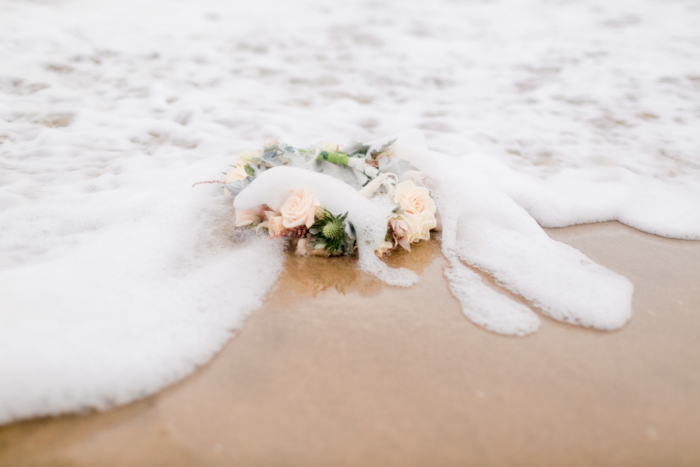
[[486, 229]]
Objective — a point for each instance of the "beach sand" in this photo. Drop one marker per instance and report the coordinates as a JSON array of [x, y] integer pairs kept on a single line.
[[338, 369]]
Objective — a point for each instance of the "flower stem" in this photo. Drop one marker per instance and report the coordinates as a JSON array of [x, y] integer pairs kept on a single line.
[[334, 157]]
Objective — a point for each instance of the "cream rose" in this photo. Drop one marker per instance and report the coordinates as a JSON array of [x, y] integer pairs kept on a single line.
[[414, 199], [421, 225], [411, 228], [299, 209], [246, 217]]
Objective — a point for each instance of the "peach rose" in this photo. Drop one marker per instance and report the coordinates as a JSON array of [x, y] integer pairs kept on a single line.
[[414, 199], [274, 223], [236, 173], [299, 209], [245, 217], [401, 231]]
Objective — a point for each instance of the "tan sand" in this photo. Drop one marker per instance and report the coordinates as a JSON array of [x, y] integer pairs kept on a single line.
[[337, 369]]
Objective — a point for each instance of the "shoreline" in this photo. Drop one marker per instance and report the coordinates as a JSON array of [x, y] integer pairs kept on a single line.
[[337, 368]]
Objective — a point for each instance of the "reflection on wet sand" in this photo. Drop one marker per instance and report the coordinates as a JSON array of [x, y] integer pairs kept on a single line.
[[310, 275]]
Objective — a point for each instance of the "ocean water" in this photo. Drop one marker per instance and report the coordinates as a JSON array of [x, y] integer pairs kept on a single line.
[[117, 278]]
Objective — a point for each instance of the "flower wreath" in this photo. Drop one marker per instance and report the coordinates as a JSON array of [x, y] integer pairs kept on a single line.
[[374, 171]]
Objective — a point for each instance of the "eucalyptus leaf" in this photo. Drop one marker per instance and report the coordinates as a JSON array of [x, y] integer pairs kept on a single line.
[[238, 186]]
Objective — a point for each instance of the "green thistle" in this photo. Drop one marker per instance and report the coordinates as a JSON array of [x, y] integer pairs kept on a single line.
[[329, 230], [334, 229]]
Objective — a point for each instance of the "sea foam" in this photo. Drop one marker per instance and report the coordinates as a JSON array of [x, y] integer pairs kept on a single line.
[[116, 296], [485, 228]]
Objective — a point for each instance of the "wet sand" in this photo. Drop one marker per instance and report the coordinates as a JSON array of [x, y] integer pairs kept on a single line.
[[338, 369]]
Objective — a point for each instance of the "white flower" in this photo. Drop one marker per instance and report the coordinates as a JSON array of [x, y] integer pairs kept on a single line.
[[299, 209]]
